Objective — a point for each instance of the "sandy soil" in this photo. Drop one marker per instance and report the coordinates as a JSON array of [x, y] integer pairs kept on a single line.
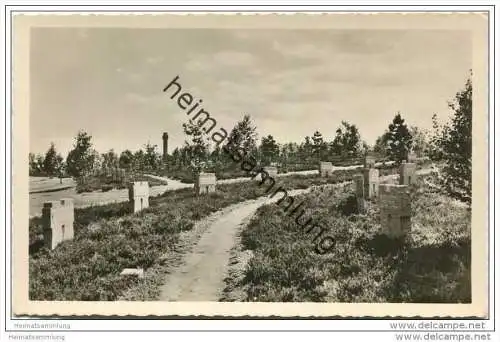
[[43, 189], [39, 184], [201, 275], [88, 199]]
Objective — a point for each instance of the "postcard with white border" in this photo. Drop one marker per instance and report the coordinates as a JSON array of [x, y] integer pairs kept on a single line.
[[298, 165]]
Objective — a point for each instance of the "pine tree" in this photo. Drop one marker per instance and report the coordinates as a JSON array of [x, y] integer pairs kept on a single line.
[[35, 164], [380, 146], [50, 161], [269, 150], [319, 146], [59, 167], [347, 141], [456, 147], [244, 135], [109, 159], [152, 158], [197, 147], [399, 139], [82, 158], [126, 159], [420, 141]]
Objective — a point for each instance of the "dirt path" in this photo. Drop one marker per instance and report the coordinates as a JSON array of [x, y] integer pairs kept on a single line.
[[201, 274]]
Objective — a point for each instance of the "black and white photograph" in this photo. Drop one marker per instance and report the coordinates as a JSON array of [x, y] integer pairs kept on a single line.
[[255, 164]]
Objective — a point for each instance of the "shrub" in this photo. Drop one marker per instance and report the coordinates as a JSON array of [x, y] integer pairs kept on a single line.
[[452, 144], [106, 187], [83, 188], [348, 205]]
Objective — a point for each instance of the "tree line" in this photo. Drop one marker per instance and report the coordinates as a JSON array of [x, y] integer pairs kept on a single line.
[[449, 143], [83, 159]]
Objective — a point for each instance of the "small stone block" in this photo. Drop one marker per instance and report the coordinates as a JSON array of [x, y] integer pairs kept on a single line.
[[205, 183], [371, 183], [407, 174], [58, 218], [272, 171], [138, 272], [138, 194], [325, 169], [395, 210]]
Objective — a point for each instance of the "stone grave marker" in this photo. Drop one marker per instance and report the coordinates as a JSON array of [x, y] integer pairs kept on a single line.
[[57, 220], [395, 210], [205, 183], [272, 171], [138, 195], [407, 173], [325, 169]]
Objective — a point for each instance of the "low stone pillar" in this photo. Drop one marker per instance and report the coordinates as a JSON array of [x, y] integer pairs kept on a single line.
[[205, 183], [359, 190], [57, 220], [272, 171], [138, 195], [371, 178], [395, 210], [407, 173], [325, 169]]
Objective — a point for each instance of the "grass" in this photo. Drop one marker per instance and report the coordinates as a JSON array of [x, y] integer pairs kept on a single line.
[[432, 265], [109, 238]]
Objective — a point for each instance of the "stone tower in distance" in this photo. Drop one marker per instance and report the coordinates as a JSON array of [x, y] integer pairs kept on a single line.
[[165, 145]]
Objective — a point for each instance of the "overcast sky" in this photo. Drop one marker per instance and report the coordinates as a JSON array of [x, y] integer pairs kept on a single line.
[[109, 82]]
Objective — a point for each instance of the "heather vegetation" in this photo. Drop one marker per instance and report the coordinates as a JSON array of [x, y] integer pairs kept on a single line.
[[431, 265], [109, 238]]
